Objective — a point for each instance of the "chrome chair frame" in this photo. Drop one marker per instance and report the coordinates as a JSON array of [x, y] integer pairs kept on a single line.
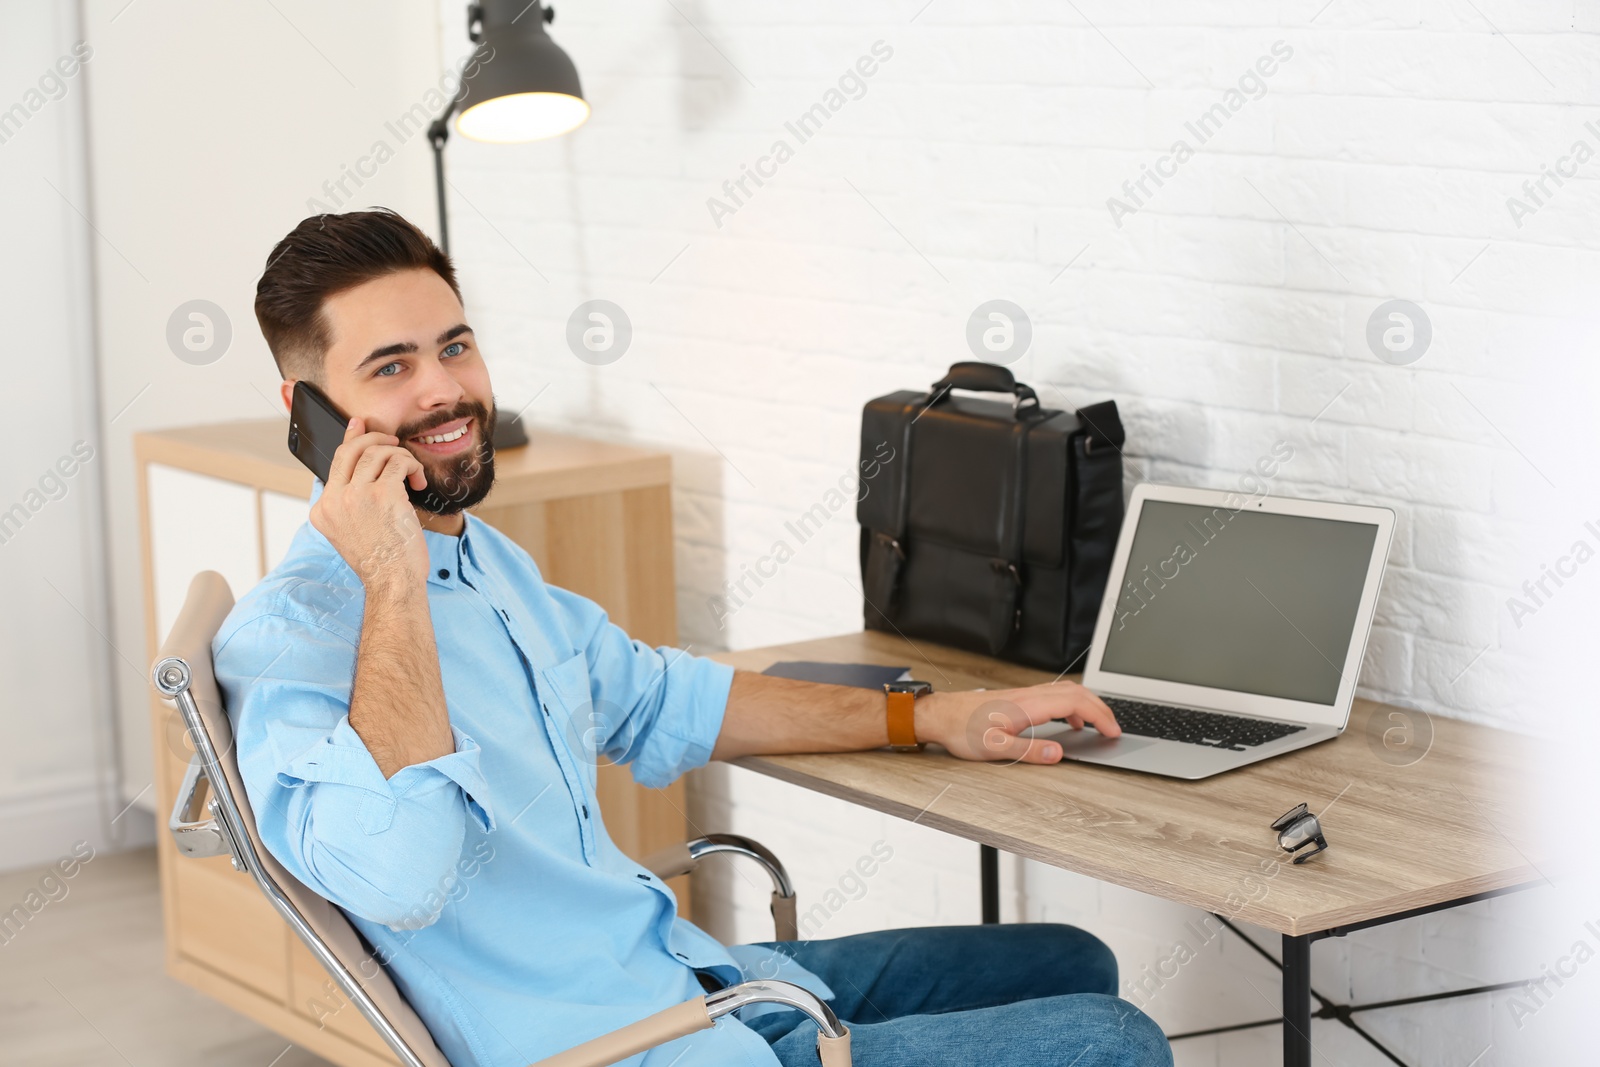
[[681, 859], [222, 832]]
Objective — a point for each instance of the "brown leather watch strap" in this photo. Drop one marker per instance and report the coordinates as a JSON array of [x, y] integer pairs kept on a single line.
[[902, 719]]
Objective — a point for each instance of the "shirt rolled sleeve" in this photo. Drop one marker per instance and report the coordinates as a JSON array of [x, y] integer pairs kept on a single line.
[[383, 849], [686, 723], [661, 708], [342, 759]]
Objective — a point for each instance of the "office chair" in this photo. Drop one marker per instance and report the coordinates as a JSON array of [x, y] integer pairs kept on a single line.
[[225, 825]]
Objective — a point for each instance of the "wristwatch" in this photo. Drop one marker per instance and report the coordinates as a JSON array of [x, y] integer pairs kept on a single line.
[[901, 698]]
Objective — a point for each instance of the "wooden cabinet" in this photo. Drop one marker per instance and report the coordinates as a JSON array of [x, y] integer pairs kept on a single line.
[[596, 517]]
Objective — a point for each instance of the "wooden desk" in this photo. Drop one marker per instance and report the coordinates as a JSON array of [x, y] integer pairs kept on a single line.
[[1404, 839]]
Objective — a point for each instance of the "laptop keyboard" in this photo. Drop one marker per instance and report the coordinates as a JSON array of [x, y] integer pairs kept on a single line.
[[1210, 728]]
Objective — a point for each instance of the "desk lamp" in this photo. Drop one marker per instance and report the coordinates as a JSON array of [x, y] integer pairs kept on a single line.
[[526, 89]]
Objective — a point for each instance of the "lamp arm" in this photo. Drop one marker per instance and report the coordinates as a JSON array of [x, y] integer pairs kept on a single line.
[[438, 134], [439, 129]]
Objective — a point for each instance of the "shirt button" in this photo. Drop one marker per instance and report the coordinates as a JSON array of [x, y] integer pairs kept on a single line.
[[503, 614], [586, 811], [444, 572], [642, 877], [546, 708]]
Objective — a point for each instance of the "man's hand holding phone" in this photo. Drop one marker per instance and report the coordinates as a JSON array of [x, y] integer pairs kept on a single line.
[[365, 514], [397, 703]]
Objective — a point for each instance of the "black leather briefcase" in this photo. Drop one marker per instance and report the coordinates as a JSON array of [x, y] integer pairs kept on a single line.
[[992, 524]]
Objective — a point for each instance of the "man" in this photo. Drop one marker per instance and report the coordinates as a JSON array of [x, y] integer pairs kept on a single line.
[[418, 719]]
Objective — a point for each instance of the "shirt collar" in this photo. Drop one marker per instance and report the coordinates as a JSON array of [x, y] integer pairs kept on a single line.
[[447, 554]]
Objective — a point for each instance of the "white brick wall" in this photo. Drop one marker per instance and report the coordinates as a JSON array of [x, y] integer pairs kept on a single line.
[[1228, 312]]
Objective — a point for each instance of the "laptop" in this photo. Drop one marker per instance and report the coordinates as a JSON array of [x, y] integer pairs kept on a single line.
[[1232, 629]]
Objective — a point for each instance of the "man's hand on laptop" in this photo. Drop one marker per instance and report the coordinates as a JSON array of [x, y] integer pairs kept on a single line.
[[364, 511], [984, 724]]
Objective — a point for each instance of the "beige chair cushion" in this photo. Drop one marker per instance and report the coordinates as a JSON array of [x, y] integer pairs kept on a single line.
[[206, 606]]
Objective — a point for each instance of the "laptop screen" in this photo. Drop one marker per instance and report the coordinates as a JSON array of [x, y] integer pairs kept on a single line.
[[1246, 601]]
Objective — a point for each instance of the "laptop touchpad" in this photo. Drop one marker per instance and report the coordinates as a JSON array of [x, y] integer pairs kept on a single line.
[[1090, 743]]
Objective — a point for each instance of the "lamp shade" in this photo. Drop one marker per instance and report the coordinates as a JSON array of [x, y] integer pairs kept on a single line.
[[527, 88]]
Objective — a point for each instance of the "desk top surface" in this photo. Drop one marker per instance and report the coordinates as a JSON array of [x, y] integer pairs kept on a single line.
[[1401, 835], [551, 465]]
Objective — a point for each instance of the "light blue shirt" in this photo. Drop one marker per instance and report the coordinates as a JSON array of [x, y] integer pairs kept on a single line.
[[485, 879]]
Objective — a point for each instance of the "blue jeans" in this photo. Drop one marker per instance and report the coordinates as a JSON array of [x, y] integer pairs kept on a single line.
[[1015, 995]]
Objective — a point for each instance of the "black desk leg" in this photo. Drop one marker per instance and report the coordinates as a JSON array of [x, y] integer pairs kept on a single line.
[[1296, 1001], [989, 873]]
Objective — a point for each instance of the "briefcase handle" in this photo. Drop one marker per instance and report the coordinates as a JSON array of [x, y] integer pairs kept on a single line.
[[982, 378]]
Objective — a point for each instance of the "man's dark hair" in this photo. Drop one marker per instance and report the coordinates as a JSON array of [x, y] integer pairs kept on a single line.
[[324, 255]]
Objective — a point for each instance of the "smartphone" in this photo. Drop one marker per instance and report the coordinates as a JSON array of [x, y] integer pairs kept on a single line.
[[316, 429]]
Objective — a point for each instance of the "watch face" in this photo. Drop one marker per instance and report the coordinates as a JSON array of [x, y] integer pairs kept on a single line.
[[909, 687]]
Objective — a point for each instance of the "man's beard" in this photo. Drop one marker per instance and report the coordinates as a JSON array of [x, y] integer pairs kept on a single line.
[[456, 483]]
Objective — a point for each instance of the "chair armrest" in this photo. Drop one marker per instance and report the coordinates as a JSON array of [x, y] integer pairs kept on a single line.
[[681, 859], [680, 1020]]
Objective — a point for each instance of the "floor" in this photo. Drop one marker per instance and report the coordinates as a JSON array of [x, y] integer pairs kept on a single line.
[[82, 983]]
